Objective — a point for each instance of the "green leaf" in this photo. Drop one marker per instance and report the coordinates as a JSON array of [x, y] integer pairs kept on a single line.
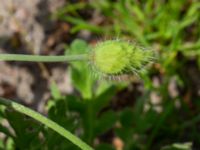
[[55, 91], [80, 73], [105, 122], [103, 99], [26, 129], [178, 146], [126, 117]]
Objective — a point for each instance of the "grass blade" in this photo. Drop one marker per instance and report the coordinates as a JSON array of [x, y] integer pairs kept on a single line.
[[49, 123]]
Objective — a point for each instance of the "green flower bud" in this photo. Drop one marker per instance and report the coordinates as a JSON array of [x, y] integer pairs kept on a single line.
[[116, 57]]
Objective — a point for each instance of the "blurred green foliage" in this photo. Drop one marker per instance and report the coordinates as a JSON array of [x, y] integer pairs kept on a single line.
[[170, 27]]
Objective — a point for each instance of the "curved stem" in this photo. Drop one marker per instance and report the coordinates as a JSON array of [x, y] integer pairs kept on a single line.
[[40, 58], [49, 123]]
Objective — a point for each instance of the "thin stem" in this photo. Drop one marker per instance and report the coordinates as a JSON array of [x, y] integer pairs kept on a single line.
[[49, 123], [40, 58]]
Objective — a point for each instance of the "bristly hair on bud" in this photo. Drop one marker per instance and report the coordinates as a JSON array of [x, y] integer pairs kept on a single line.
[[115, 58]]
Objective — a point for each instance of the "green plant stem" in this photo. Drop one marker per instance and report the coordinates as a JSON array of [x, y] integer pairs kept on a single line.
[[54, 126], [90, 121], [40, 58]]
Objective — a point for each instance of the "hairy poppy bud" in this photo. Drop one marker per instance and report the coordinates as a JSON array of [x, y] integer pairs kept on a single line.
[[116, 57]]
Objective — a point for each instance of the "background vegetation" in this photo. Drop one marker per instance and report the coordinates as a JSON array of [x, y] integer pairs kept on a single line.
[[159, 110]]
